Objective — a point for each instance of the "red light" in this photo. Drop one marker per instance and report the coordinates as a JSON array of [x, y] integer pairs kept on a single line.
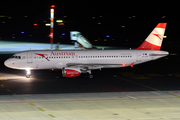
[[62, 24], [50, 35], [53, 6], [35, 24]]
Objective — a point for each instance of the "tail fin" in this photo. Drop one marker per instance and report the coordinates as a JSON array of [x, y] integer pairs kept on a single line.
[[155, 38]]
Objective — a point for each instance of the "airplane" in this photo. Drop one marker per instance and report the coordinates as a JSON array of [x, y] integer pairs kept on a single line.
[[75, 62]]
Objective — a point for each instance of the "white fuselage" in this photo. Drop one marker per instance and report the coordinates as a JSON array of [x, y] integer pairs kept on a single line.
[[95, 59]]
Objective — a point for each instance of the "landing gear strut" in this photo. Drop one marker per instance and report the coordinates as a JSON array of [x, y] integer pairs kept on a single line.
[[90, 75], [28, 73]]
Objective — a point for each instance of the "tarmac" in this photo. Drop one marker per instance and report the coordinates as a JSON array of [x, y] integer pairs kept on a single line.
[[92, 106]]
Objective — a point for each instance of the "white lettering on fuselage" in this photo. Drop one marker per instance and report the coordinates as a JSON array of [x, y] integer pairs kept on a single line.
[[62, 53], [72, 72]]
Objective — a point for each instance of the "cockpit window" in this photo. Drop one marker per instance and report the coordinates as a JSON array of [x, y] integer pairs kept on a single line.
[[16, 57]]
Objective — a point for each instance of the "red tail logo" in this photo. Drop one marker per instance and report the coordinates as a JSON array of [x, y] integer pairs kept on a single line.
[[157, 35]]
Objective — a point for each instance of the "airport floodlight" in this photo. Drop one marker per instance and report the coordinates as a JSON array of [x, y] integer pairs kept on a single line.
[[52, 24], [59, 21], [47, 24]]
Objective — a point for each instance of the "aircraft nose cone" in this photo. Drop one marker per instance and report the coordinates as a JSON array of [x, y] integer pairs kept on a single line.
[[7, 63]]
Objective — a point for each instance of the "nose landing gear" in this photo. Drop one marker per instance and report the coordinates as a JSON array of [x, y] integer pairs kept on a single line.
[[28, 73]]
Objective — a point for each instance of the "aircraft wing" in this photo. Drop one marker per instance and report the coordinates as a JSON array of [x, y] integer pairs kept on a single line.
[[90, 66]]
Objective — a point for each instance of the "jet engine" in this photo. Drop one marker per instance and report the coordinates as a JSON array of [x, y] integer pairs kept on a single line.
[[71, 72]]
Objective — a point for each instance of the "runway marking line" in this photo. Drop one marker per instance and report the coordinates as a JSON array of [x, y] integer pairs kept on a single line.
[[130, 97], [156, 93], [23, 99], [8, 90], [41, 109], [32, 104], [147, 86], [2, 85], [51, 116], [3, 79]]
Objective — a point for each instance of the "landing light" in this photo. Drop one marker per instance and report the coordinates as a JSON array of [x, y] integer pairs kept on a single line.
[[47, 24], [28, 71], [59, 21]]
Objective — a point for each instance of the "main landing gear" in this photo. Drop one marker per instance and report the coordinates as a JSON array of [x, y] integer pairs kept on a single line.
[[28, 73], [90, 76]]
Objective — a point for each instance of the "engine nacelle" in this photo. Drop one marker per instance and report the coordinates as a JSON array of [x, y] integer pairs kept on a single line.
[[71, 72]]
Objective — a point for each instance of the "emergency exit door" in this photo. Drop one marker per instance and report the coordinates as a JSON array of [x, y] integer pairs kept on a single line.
[[29, 57], [138, 57]]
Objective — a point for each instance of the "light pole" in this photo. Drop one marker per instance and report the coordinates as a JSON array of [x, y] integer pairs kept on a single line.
[[52, 25]]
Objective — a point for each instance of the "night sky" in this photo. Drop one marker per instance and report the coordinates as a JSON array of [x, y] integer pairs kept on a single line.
[[126, 23]]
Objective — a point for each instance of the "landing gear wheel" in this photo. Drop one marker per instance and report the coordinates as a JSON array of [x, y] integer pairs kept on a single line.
[[27, 76], [90, 76]]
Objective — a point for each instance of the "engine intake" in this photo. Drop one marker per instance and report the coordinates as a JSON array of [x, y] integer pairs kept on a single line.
[[71, 72]]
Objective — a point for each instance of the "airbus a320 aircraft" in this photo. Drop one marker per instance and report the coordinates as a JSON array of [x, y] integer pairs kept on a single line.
[[75, 62]]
